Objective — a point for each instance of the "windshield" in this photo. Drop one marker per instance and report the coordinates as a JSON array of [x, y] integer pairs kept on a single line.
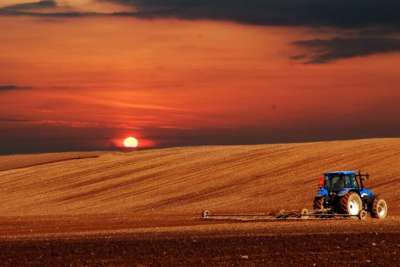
[[338, 182]]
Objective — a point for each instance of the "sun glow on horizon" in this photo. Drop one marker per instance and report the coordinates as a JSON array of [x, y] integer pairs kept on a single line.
[[131, 142]]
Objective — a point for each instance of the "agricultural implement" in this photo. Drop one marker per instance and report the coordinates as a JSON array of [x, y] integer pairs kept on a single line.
[[341, 195], [294, 215]]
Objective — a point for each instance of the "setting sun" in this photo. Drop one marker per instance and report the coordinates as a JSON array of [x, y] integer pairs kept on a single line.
[[131, 142]]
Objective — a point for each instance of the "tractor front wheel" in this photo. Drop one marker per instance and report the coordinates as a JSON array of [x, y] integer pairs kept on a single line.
[[318, 203], [379, 208], [351, 204]]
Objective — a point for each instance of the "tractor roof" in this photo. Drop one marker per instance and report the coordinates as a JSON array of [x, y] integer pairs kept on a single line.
[[341, 173]]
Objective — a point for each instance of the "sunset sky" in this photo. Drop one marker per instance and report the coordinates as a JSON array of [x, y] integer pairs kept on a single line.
[[85, 74]]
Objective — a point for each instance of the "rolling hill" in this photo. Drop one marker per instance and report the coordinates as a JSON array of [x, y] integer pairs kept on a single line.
[[255, 178]]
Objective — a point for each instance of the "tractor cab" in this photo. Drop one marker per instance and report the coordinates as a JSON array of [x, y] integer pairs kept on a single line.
[[338, 181], [341, 182]]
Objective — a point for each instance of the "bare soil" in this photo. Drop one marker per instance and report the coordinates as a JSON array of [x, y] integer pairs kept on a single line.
[[124, 242], [22, 161], [143, 208], [259, 178]]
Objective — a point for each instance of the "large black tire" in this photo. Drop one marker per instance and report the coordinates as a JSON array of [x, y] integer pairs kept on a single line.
[[351, 204], [379, 208], [318, 203], [363, 215]]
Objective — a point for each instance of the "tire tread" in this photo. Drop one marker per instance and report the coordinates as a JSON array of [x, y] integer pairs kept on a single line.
[[374, 209], [345, 200]]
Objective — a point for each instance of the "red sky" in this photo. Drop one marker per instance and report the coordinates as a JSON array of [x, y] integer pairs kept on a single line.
[[84, 83]]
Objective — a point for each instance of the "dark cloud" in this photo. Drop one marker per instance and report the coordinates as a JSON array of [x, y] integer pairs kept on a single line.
[[28, 6], [11, 87], [339, 13], [33, 9], [8, 87], [373, 24], [368, 24], [70, 14], [44, 8], [327, 50]]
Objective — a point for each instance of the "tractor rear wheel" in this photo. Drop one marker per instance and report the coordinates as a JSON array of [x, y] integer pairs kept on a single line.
[[351, 204], [318, 203], [379, 208]]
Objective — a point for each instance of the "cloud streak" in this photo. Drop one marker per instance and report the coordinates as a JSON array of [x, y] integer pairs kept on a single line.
[[31, 5], [65, 9], [327, 50], [361, 17], [340, 13], [11, 87], [28, 7]]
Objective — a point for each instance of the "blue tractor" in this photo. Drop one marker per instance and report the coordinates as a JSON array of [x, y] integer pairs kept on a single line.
[[343, 192]]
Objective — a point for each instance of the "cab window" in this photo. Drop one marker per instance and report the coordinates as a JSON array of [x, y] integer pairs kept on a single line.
[[350, 181], [338, 182]]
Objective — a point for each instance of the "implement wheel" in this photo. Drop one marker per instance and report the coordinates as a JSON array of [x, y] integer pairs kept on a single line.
[[363, 215], [351, 204], [205, 214], [318, 203], [379, 208], [304, 214]]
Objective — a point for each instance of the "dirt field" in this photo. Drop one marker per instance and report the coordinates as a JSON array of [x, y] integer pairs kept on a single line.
[[23, 161], [143, 207], [150, 241], [281, 250], [187, 180]]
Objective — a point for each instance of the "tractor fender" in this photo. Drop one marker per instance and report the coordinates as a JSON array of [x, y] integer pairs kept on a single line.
[[343, 192], [322, 192], [366, 194]]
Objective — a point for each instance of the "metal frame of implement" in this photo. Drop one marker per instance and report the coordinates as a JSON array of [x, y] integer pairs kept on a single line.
[[304, 214]]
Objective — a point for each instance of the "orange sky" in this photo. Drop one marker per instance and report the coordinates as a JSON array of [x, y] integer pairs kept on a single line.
[[176, 82]]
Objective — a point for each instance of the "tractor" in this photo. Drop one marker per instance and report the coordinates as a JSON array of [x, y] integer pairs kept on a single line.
[[343, 192]]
